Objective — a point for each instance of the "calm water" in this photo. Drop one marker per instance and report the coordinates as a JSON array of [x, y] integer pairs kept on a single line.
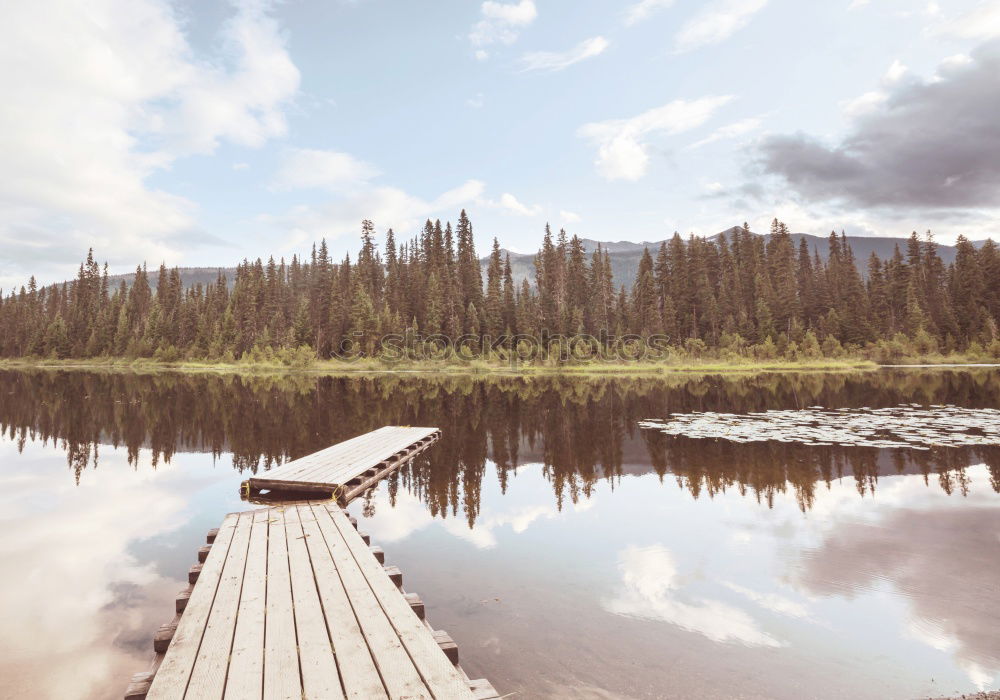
[[571, 554]]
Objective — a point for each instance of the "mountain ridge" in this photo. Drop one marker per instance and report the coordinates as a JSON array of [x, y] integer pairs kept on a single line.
[[624, 257]]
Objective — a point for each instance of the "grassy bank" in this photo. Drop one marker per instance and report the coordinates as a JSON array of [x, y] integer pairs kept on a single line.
[[675, 364], [339, 367]]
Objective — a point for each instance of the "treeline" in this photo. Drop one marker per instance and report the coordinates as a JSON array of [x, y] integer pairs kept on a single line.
[[738, 296], [581, 430]]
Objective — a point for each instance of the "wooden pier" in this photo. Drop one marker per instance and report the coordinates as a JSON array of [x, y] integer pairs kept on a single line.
[[347, 469], [291, 602]]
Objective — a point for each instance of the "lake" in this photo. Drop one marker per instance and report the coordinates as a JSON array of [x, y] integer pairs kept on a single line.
[[570, 552]]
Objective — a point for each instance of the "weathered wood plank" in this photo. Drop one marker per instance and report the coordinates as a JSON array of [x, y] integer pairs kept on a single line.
[[246, 665], [208, 678], [439, 674], [398, 673], [316, 661], [281, 659], [347, 461], [482, 689], [138, 687], [332, 459], [292, 603], [358, 673], [172, 677], [370, 449]]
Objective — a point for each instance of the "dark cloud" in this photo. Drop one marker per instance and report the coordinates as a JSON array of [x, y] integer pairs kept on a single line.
[[932, 144]]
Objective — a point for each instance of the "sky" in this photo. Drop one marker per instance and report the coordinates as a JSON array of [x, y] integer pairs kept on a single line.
[[202, 132]]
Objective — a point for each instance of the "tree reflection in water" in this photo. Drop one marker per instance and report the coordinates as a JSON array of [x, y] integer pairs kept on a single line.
[[581, 429]]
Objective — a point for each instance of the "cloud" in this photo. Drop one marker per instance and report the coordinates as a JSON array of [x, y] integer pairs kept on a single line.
[[476, 102], [303, 168], [556, 60], [388, 207], [650, 590], [717, 23], [569, 217], [104, 95], [500, 23], [915, 550], [772, 601], [896, 72], [863, 104], [983, 22], [622, 153], [872, 100], [643, 9], [398, 520], [86, 537], [931, 144], [744, 126], [511, 203]]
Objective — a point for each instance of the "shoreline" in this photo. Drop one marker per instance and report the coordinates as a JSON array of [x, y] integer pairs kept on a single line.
[[341, 368]]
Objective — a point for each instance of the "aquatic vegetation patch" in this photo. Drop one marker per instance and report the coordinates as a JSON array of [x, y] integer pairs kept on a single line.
[[906, 425]]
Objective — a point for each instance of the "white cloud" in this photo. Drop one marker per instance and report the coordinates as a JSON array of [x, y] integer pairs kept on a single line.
[[515, 14], [730, 131], [772, 601], [896, 72], [303, 168], [873, 100], [501, 23], [475, 102], [86, 534], [863, 104], [643, 9], [855, 4], [622, 151], [650, 590], [717, 23], [569, 217], [99, 96], [511, 203], [240, 166], [983, 22], [407, 515], [558, 60], [388, 207]]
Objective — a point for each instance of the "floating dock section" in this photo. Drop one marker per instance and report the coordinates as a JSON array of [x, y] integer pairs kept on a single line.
[[347, 469], [290, 602]]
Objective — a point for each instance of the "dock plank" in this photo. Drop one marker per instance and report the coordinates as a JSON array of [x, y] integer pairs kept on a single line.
[[292, 603], [320, 679], [173, 674], [208, 679], [281, 659], [332, 469], [440, 675], [398, 673], [354, 660], [246, 666]]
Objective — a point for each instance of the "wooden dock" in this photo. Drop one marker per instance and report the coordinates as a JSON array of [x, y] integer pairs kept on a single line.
[[347, 469], [290, 602]]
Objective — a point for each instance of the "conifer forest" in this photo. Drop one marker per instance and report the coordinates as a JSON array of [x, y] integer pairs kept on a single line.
[[735, 296]]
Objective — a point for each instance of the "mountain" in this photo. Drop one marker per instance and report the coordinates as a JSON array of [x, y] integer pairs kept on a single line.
[[624, 255]]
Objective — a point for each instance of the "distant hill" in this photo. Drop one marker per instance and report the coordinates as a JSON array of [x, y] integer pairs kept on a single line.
[[624, 258], [625, 255]]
